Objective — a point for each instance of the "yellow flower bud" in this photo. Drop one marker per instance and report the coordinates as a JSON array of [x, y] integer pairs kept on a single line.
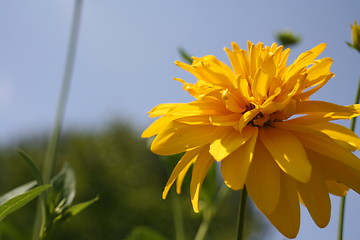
[[355, 34]]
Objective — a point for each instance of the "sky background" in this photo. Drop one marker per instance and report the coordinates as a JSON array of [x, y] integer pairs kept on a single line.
[[124, 64]]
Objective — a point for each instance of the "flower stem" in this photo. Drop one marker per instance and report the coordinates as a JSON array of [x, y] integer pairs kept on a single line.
[[343, 199], [357, 100], [241, 216], [49, 161], [341, 218], [178, 217]]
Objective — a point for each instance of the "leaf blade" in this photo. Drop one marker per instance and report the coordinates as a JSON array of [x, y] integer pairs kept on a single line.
[[19, 201]]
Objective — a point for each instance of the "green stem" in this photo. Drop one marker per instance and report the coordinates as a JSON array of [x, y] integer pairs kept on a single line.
[[178, 217], [343, 199], [210, 213], [49, 161], [357, 100], [241, 216], [341, 218]]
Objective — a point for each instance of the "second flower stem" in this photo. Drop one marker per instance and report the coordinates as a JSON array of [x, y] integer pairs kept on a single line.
[[343, 199]]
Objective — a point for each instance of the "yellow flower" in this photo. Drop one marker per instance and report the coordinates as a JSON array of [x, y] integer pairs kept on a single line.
[[255, 118]]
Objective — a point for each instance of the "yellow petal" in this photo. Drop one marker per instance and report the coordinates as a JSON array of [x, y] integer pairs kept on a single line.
[[180, 137], [247, 117], [208, 105], [225, 120], [263, 77], [157, 126], [244, 88], [234, 168], [181, 176], [194, 120], [238, 59], [211, 70], [286, 216], [320, 68], [187, 159], [321, 83], [321, 143], [253, 66], [305, 59], [229, 140], [316, 198], [163, 109], [288, 152], [263, 180], [320, 106], [336, 171], [234, 102], [338, 132], [201, 167], [336, 188]]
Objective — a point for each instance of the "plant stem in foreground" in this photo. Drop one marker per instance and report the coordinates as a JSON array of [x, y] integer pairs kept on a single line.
[[241, 216], [40, 217]]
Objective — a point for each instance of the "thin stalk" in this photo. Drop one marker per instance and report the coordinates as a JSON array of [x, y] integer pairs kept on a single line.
[[49, 160], [343, 199], [357, 100], [211, 212], [178, 217], [241, 215], [341, 218]]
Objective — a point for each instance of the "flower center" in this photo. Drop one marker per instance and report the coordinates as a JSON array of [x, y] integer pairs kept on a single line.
[[260, 120]]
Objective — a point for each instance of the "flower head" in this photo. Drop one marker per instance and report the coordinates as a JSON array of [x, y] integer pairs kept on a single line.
[[355, 34], [255, 118]]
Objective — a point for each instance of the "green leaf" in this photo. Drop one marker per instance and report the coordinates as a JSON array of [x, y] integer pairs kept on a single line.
[[34, 168], [63, 190], [75, 209], [186, 57], [145, 233], [17, 191], [17, 202]]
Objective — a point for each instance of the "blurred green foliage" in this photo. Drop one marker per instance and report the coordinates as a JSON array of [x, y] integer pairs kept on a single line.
[[115, 164], [287, 38]]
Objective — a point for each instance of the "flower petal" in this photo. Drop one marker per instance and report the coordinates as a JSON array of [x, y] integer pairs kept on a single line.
[[180, 137], [247, 117], [181, 176], [157, 126], [316, 198], [320, 106], [286, 216], [288, 152], [183, 163], [202, 164], [338, 132], [304, 60], [321, 143], [234, 168], [336, 188], [263, 180], [225, 120], [336, 170], [163, 109], [228, 140]]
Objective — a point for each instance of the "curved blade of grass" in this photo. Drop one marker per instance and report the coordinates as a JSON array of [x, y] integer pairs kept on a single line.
[[34, 168]]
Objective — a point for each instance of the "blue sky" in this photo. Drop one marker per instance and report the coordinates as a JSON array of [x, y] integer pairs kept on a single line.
[[124, 64]]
